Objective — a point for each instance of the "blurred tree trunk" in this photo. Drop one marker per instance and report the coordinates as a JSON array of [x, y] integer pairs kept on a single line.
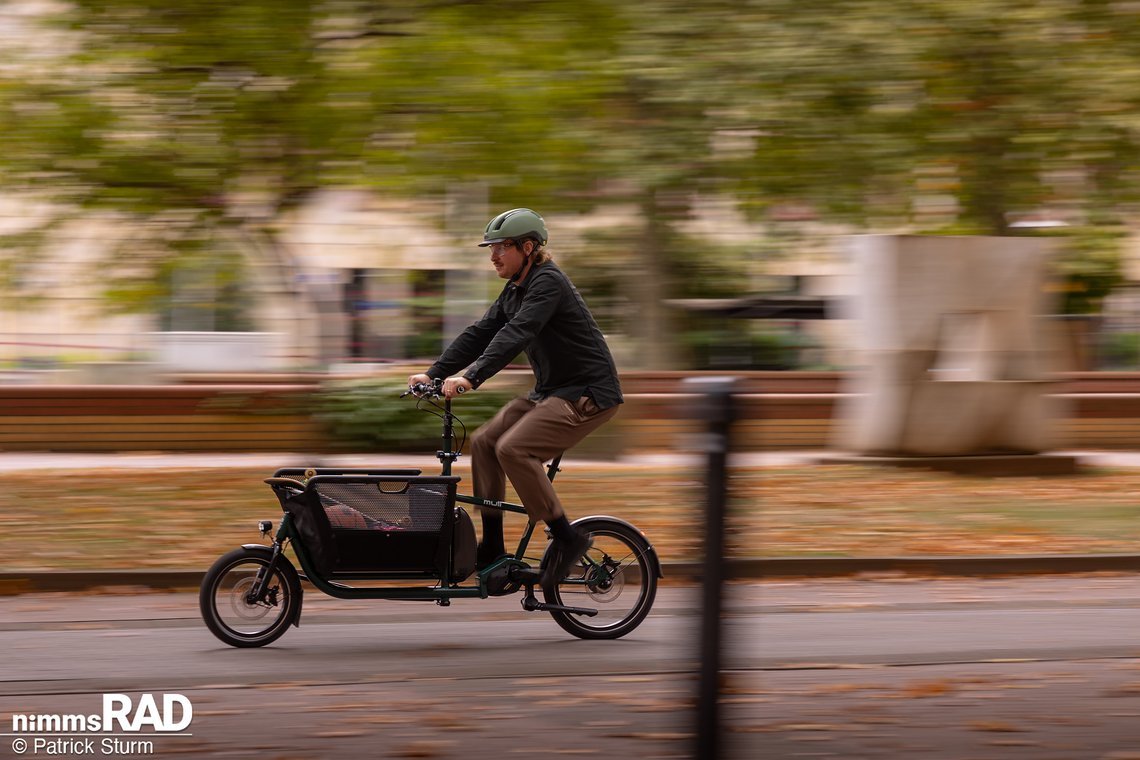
[[656, 341]]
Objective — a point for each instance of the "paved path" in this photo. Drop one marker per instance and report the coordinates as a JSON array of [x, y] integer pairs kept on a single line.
[[1020, 668]]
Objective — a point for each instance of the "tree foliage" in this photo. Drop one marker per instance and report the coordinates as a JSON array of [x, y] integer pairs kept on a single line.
[[201, 122]]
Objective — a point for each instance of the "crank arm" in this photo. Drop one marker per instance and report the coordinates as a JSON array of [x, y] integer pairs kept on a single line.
[[527, 576]]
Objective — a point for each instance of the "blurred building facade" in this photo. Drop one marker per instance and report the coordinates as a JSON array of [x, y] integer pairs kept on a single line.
[[350, 279], [355, 279]]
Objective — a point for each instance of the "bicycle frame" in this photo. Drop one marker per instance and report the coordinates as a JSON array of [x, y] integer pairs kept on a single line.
[[252, 594], [442, 593]]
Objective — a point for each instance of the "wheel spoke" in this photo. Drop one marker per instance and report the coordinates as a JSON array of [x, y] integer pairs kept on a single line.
[[621, 590], [228, 608]]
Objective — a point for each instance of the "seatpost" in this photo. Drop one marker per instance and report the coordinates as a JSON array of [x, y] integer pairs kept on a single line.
[[553, 469]]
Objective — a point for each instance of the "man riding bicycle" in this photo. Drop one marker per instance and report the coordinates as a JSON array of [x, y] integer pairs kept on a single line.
[[576, 384]]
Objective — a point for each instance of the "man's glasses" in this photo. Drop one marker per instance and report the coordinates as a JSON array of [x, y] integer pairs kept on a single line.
[[498, 248]]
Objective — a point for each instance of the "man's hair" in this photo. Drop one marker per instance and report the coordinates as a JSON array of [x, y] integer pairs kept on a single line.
[[540, 254]]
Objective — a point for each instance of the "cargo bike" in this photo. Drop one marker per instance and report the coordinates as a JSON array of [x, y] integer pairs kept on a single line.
[[348, 526]]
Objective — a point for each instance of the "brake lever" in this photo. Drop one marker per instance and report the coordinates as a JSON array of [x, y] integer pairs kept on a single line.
[[422, 390]]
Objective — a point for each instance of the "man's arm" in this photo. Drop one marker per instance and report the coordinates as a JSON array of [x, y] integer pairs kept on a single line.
[[538, 306], [470, 343]]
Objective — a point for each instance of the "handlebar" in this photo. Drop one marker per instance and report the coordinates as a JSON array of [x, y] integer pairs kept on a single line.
[[426, 390]]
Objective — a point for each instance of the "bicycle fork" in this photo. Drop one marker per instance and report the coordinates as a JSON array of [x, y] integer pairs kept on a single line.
[[260, 588]]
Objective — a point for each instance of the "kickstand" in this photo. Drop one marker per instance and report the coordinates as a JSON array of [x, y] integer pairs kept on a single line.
[[530, 603]]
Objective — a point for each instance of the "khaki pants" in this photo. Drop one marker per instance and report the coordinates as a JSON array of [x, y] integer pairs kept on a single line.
[[520, 438]]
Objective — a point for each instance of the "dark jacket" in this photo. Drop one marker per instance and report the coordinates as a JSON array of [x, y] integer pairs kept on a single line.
[[545, 316]]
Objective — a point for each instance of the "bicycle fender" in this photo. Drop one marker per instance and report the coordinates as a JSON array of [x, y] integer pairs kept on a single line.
[[268, 551], [648, 546]]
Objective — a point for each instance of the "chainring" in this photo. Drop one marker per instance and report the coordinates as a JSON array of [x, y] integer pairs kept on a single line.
[[499, 583]]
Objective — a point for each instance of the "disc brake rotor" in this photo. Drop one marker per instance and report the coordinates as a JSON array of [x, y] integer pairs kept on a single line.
[[605, 581], [244, 609]]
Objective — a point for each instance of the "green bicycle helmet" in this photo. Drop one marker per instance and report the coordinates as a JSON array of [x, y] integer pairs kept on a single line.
[[516, 224]]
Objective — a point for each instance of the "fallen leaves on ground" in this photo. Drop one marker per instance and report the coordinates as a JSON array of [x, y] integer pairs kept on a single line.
[[186, 518], [925, 689]]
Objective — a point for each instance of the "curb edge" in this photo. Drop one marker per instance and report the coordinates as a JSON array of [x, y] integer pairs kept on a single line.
[[47, 581]]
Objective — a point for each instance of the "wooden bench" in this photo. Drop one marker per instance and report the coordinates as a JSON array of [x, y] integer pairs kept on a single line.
[[784, 410], [159, 418]]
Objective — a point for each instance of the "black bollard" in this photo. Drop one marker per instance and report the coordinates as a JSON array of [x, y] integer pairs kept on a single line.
[[718, 413]]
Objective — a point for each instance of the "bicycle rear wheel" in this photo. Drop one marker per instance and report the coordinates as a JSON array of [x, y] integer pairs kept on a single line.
[[617, 577]]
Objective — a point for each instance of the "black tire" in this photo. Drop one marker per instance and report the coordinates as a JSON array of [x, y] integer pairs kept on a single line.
[[227, 613], [617, 577]]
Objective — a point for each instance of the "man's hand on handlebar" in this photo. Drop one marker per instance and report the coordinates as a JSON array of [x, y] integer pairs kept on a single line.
[[453, 386], [421, 385]]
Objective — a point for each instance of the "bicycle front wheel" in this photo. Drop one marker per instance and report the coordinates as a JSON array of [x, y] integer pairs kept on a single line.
[[617, 577], [232, 615]]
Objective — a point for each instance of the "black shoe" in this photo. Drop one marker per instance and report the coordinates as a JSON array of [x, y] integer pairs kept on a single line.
[[563, 555], [485, 556]]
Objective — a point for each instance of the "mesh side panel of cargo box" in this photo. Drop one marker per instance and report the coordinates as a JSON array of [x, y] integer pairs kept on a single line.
[[367, 506]]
